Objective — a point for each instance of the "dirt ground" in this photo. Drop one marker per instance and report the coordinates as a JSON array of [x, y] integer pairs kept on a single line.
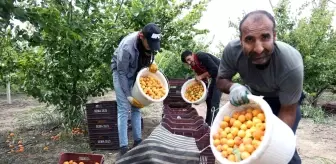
[[34, 124]]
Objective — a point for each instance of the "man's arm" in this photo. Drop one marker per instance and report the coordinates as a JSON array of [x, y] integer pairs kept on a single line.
[[203, 76], [290, 93], [226, 71], [122, 68], [287, 114], [224, 85], [210, 65]]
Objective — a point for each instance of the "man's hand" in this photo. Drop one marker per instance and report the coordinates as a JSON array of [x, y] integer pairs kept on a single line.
[[135, 102], [205, 75], [198, 78], [238, 94], [153, 68]]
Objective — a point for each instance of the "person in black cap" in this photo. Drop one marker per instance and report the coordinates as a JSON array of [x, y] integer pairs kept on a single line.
[[135, 51]]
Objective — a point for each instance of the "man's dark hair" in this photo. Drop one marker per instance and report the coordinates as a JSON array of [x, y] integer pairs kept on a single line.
[[259, 13], [184, 55]]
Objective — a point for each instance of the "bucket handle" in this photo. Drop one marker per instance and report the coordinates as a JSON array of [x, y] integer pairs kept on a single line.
[[213, 110]]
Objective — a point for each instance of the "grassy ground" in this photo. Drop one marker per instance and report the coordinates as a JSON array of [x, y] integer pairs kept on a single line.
[[34, 124]]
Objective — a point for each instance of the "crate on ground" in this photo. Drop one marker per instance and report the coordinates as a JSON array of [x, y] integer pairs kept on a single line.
[[176, 81], [107, 124], [102, 124], [175, 86], [202, 136], [173, 99], [194, 125], [81, 157], [195, 133], [177, 111], [102, 137], [104, 141], [183, 120], [102, 108], [207, 157], [102, 121], [177, 107], [175, 117], [175, 91], [203, 144], [188, 114]]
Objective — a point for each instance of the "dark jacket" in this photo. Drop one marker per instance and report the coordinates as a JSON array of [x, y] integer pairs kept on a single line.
[[125, 61], [210, 62]]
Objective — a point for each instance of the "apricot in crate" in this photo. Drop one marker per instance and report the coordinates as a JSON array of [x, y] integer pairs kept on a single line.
[[152, 87], [194, 92], [240, 135]]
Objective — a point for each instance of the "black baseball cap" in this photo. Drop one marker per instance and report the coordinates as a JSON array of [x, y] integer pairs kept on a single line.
[[152, 33]]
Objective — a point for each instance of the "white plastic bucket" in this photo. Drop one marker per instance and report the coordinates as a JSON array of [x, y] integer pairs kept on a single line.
[[278, 144], [140, 95], [191, 82]]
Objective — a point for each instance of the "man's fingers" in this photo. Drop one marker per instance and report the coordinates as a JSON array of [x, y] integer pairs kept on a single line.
[[137, 104], [241, 98], [234, 100], [238, 99], [246, 100], [233, 103]]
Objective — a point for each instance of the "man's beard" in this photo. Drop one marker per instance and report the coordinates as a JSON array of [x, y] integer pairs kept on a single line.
[[266, 55]]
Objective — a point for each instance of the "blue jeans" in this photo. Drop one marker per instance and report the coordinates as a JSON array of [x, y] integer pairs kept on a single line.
[[275, 106], [123, 106]]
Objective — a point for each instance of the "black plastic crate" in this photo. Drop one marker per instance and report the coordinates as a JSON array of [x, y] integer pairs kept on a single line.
[[107, 126], [188, 132], [193, 125], [104, 142], [176, 81], [177, 106], [175, 99], [102, 124], [102, 108]]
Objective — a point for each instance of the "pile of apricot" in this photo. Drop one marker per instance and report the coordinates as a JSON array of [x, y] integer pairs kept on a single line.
[[77, 131], [240, 135], [194, 92], [15, 146], [152, 87]]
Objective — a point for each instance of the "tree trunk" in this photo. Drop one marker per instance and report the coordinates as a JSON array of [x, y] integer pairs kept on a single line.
[[318, 94], [9, 99]]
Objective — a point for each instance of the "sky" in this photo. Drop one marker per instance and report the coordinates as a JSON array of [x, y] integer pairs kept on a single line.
[[219, 12]]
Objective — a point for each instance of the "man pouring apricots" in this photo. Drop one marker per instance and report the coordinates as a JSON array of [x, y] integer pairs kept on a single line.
[[135, 51], [269, 68], [205, 66]]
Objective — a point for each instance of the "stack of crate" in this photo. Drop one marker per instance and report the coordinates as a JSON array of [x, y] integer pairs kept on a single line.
[[102, 120], [181, 118], [102, 125]]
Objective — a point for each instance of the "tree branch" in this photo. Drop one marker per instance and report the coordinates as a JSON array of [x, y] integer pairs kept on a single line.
[[122, 2], [270, 2], [318, 94], [332, 2]]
